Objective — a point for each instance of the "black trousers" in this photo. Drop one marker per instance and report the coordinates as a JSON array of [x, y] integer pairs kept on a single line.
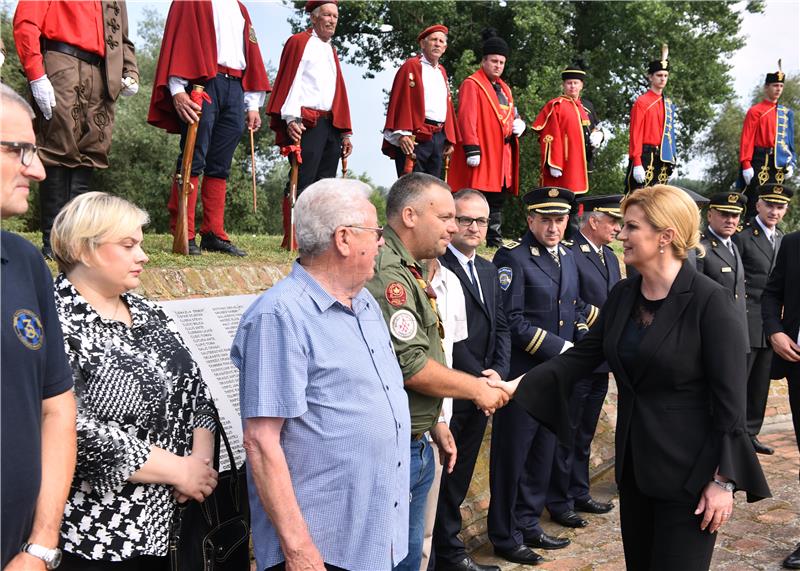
[[656, 171], [321, 150], [759, 360], [429, 156], [661, 535], [794, 403], [144, 563], [765, 172], [468, 426]]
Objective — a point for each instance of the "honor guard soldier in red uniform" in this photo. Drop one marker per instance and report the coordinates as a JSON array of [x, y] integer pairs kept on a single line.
[[212, 44], [308, 108], [63, 45], [651, 150], [766, 151], [420, 128], [486, 156], [567, 135]]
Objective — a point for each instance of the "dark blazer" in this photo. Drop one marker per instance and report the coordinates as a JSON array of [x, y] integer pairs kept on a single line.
[[682, 407], [783, 294], [488, 344], [758, 258], [726, 269], [541, 301]]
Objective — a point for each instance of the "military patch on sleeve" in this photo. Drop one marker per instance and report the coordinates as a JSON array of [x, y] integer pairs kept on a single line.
[[252, 35], [396, 294], [504, 276], [28, 328], [403, 325]]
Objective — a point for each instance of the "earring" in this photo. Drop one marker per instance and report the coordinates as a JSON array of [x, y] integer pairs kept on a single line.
[[661, 250]]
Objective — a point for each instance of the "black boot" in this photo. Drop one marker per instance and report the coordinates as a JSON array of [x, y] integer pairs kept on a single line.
[[80, 181], [53, 195], [494, 235]]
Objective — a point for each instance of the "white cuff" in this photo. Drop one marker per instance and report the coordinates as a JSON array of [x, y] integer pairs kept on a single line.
[[394, 136], [177, 85], [254, 100]]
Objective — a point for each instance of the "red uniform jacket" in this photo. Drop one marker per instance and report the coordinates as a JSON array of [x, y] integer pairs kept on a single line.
[[407, 105], [484, 123], [189, 51], [647, 124], [560, 127], [758, 130], [290, 60]]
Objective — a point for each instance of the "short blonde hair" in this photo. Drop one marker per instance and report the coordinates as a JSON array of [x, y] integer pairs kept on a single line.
[[87, 221], [665, 207]]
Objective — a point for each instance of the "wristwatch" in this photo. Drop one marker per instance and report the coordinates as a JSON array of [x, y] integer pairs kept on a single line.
[[51, 557], [729, 486]]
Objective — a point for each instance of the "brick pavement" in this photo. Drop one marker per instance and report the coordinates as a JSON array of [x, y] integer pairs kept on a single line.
[[758, 536]]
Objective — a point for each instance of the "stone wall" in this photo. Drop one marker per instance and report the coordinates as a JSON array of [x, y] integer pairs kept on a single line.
[[164, 284]]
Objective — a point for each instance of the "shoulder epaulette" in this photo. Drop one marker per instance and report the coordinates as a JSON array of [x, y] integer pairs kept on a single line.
[[567, 243], [510, 244]]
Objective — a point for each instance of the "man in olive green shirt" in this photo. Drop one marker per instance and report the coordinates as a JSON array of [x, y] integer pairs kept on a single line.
[[420, 214]]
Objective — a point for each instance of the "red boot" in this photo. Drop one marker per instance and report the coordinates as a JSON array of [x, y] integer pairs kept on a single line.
[[191, 206]]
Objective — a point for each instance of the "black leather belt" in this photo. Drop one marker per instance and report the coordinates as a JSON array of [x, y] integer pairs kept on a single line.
[[70, 50], [651, 148], [764, 150], [432, 122]]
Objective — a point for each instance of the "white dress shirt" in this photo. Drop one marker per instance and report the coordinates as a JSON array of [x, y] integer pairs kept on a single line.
[[595, 248], [464, 261], [434, 89], [314, 84], [229, 30], [770, 234], [727, 242]]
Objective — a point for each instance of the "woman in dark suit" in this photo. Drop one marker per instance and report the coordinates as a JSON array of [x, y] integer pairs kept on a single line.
[[675, 344]]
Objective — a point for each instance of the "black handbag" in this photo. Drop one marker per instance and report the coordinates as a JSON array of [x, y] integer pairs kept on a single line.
[[214, 535]]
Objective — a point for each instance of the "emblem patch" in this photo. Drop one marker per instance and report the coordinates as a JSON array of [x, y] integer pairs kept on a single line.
[[396, 294], [552, 193], [251, 35], [403, 325], [732, 198], [504, 276], [28, 328], [585, 248]]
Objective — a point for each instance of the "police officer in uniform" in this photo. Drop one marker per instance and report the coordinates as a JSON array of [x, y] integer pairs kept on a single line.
[[539, 280], [722, 261], [598, 272], [758, 244]]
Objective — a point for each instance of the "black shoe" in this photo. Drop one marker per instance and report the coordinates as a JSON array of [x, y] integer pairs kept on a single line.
[[467, 564], [194, 249], [760, 447], [520, 554], [793, 560], [591, 506], [213, 243], [569, 519], [545, 541]]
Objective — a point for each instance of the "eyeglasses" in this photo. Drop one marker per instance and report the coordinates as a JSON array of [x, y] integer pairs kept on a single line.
[[26, 151], [378, 230], [466, 221]]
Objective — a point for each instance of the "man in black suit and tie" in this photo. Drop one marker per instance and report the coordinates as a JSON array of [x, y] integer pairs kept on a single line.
[[758, 245], [780, 308], [485, 352], [722, 261], [598, 272]]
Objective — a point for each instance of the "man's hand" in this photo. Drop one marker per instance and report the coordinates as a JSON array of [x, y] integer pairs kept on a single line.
[[253, 120], [295, 129], [789, 171], [489, 398], [786, 349], [517, 127], [304, 557], [448, 149], [44, 95], [25, 562], [406, 144], [473, 161], [447, 445], [747, 175], [491, 374], [555, 173], [186, 108], [347, 147], [638, 174], [596, 138], [129, 87]]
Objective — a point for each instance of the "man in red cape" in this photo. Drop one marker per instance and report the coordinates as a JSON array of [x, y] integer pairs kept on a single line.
[[308, 108], [222, 55], [420, 120], [486, 156]]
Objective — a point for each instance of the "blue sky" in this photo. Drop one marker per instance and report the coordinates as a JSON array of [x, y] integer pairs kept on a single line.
[[770, 36]]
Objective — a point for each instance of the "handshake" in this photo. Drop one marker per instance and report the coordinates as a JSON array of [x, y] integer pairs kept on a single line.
[[492, 392]]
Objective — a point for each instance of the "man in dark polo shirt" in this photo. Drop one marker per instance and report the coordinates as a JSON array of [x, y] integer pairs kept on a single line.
[[38, 410], [420, 215]]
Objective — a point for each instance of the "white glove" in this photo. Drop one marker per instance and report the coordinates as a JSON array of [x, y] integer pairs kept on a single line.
[[44, 95], [473, 161], [747, 175], [129, 87], [567, 345], [555, 173], [789, 171], [638, 174], [518, 127], [596, 138]]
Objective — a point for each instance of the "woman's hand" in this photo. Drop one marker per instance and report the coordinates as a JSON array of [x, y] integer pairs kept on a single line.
[[510, 387], [716, 505], [196, 479]]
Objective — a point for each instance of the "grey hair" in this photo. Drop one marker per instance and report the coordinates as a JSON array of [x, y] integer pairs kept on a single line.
[[587, 215], [323, 207], [408, 189], [8, 97], [470, 193]]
